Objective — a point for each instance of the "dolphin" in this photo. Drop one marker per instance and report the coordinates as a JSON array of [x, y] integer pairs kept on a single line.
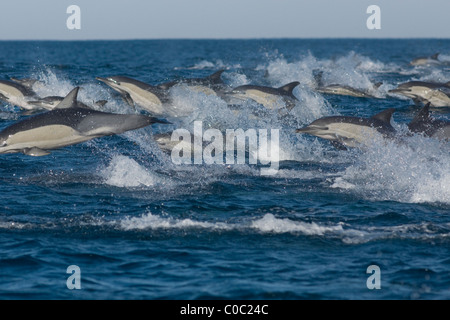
[[16, 94], [267, 96], [437, 94], [66, 125], [352, 131], [149, 97], [211, 84], [425, 124], [28, 82], [422, 61], [344, 90], [51, 102]]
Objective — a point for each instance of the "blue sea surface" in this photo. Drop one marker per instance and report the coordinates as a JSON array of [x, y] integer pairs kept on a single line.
[[141, 227]]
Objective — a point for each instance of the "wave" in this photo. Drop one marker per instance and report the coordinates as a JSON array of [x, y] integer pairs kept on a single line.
[[415, 171], [349, 233]]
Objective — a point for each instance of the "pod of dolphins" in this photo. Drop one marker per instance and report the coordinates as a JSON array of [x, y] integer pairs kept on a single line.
[[65, 121]]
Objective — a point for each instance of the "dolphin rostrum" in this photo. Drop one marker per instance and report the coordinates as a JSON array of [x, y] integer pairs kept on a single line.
[[346, 131], [66, 125]]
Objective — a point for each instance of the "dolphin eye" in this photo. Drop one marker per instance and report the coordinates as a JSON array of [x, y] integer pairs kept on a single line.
[[2, 143]]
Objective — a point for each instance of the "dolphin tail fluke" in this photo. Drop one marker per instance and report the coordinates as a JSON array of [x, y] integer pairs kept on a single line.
[[70, 100]]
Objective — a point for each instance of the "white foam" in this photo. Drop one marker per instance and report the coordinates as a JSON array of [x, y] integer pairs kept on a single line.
[[269, 223], [152, 222], [416, 171], [206, 64], [125, 172], [352, 70]]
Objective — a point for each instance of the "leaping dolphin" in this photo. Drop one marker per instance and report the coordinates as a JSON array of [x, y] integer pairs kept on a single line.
[[267, 96], [343, 90], [66, 125], [423, 123], [437, 94], [423, 61], [352, 131], [16, 94], [19, 92], [149, 97]]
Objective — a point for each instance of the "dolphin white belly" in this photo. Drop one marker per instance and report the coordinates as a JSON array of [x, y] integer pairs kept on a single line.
[[46, 138]]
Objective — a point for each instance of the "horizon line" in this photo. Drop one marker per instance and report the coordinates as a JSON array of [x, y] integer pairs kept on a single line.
[[235, 38]]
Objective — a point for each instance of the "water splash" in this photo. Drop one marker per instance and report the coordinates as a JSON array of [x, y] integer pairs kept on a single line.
[[416, 171]]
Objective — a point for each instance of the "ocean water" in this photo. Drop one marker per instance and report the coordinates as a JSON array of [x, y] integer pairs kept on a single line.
[[139, 226]]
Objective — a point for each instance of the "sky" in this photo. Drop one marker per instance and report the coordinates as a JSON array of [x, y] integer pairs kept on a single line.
[[219, 19]]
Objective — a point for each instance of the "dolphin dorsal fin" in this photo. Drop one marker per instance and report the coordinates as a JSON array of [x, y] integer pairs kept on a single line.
[[215, 77], [288, 88], [435, 56], [70, 101], [423, 115], [385, 116]]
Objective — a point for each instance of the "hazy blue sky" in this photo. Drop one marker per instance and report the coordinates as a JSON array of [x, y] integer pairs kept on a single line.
[[149, 19]]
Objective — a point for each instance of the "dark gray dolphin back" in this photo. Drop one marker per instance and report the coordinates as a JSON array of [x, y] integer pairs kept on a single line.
[[424, 123]]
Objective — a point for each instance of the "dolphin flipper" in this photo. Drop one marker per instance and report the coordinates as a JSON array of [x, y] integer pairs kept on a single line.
[[35, 152], [2, 97]]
